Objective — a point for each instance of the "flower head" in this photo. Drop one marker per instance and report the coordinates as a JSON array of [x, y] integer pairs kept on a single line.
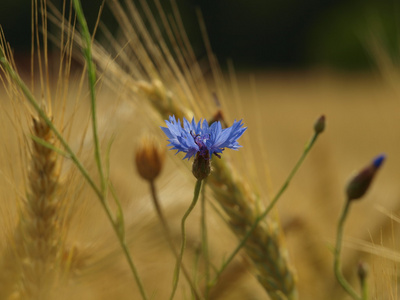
[[199, 138]]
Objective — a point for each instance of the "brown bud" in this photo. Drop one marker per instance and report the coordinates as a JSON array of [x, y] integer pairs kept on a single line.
[[149, 158], [319, 125], [362, 271]]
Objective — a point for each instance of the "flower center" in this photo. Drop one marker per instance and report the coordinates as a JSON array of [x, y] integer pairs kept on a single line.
[[200, 141]]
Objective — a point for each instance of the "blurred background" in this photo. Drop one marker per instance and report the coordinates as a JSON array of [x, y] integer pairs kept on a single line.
[[258, 34]]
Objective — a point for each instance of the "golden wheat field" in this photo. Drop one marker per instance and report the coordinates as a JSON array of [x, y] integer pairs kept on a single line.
[[86, 214]]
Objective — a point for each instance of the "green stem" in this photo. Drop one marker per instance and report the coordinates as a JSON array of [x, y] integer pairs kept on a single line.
[[364, 289], [167, 232], [204, 241], [117, 229], [92, 82], [119, 219], [183, 242], [339, 238], [307, 149]]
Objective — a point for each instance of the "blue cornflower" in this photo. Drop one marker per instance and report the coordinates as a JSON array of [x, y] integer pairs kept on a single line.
[[200, 139]]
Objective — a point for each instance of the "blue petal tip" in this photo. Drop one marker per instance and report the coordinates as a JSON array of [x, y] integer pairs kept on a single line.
[[379, 160]]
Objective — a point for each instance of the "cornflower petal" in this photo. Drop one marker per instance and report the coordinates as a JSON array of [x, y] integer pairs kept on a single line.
[[200, 138], [205, 128], [196, 127], [187, 126]]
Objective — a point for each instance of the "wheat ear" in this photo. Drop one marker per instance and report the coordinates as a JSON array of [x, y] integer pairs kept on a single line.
[[38, 235], [265, 246]]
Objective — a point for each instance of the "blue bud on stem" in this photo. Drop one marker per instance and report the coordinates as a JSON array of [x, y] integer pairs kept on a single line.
[[359, 184]]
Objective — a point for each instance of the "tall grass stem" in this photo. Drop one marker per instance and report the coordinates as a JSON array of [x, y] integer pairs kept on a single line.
[[92, 82]]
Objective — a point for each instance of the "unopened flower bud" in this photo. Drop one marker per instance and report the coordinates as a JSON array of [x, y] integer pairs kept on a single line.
[[201, 166], [319, 125], [359, 184], [149, 158], [219, 116], [362, 271]]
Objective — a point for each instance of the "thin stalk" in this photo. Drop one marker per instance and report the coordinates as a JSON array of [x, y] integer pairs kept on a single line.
[[364, 289], [168, 234], [337, 262], [183, 242], [204, 241], [307, 149], [117, 229], [92, 82], [119, 220]]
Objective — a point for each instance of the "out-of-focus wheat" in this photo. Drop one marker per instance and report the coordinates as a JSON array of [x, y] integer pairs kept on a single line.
[[34, 257]]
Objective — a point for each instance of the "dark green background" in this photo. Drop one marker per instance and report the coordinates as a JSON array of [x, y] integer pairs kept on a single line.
[[262, 34]]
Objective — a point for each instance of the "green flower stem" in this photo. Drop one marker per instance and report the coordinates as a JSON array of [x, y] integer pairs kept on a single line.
[[204, 241], [338, 273], [168, 235], [183, 242], [269, 208], [92, 82], [364, 289]]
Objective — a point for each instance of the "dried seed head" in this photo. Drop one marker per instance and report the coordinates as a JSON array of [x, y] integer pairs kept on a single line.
[[149, 158]]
